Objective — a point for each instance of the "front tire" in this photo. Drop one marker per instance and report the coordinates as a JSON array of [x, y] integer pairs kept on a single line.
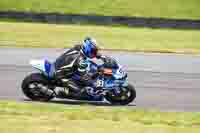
[[126, 96], [31, 87]]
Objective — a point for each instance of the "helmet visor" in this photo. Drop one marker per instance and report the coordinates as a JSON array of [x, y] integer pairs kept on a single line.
[[94, 52]]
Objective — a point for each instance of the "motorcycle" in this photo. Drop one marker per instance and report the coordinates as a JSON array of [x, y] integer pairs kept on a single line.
[[108, 82]]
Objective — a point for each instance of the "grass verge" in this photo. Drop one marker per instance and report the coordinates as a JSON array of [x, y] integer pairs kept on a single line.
[[54, 118], [14, 34], [162, 8]]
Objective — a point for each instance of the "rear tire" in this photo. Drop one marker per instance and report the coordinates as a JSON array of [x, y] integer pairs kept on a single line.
[[34, 93], [117, 100]]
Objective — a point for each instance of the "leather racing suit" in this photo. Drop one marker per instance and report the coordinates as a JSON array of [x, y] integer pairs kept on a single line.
[[70, 62]]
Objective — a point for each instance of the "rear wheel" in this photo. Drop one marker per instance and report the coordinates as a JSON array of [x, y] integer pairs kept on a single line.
[[32, 86], [126, 96]]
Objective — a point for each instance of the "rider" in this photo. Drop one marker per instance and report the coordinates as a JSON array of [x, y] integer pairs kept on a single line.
[[73, 61]]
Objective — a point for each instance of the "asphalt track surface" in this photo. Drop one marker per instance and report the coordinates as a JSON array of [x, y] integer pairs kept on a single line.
[[163, 82]]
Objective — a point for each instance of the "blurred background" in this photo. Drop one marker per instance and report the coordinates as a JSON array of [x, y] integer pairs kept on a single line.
[[136, 25]]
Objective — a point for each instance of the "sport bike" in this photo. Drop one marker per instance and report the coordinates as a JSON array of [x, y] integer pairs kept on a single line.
[[105, 82]]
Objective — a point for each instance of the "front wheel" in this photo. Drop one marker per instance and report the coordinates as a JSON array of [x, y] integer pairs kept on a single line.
[[32, 85], [126, 96]]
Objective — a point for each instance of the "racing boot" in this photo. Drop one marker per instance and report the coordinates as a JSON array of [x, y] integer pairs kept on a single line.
[[73, 89]]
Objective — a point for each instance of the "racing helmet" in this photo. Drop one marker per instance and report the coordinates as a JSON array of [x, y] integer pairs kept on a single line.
[[89, 47]]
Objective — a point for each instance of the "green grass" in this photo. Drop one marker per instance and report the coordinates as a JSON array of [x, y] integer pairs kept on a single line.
[[55, 118], [144, 8], [122, 38]]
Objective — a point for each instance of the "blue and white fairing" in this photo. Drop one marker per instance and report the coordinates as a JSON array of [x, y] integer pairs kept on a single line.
[[118, 78], [44, 66], [119, 73]]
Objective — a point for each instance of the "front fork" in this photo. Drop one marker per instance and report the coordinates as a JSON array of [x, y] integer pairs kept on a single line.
[[120, 87]]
